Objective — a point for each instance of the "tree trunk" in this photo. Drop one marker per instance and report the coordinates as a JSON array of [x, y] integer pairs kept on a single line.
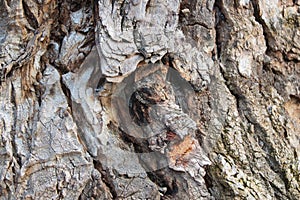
[[149, 99]]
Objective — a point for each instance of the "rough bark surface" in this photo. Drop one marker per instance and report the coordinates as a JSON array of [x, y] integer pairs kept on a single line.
[[149, 99]]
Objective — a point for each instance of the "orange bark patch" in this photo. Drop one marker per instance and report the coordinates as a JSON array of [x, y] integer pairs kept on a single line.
[[293, 109], [180, 152]]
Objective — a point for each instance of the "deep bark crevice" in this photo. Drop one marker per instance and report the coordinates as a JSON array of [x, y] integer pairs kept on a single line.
[[169, 182], [67, 93], [30, 16], [13, 135], [148, 6], [267, 34], [208, 178], [123, 13], [219, 19], [105, 178]]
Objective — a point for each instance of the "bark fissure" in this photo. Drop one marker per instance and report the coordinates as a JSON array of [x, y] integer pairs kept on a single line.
[[29, 15], [17, 157], [257, 14], [106, 178], [149, 99]]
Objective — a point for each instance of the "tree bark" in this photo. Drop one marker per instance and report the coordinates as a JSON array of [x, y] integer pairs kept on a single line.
[[149, 99]]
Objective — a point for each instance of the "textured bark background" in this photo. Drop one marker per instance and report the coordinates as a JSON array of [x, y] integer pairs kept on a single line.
[[149, 99]]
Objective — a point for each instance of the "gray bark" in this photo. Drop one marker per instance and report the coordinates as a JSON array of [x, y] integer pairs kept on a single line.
[[149, 99]]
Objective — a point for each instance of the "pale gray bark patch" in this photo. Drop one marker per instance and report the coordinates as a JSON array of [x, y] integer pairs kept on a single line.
[[89, 108]]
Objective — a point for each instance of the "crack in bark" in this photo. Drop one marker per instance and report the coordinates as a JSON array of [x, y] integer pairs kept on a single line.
[[30, 16], [257, 16], [123, 13], [105, 178], [13, 134], [67, 93], [198, 23], [219, 16]]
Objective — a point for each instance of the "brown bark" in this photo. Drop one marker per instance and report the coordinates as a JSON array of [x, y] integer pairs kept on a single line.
[[149, 99]]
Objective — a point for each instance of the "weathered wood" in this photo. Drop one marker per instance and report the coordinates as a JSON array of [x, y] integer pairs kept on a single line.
[[149, 99]]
